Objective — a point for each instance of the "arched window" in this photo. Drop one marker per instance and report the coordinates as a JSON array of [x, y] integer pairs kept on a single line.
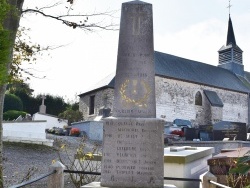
[[198, 99]]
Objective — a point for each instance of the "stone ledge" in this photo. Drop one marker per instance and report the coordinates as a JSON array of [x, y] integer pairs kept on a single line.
[[45, 142], [97, 185], [186, 156]]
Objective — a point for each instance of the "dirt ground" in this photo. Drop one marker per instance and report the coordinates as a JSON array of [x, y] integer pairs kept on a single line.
[[28, 161]]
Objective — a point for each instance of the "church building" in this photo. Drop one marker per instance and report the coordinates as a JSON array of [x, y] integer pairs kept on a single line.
[[189, 90]]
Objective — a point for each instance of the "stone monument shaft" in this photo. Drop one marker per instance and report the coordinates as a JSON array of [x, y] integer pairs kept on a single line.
[[135, 73], [133, 138]]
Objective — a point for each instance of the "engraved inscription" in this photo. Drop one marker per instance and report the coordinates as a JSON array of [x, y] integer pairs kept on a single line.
[[133, 152]]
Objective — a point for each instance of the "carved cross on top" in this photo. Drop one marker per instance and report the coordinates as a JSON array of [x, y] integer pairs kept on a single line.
[[229, 6], [43, 97]]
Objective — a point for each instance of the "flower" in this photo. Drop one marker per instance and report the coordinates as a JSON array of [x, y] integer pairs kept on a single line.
[[178, 132]]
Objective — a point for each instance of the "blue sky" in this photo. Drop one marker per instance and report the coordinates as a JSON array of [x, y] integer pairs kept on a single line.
[[193, 29]]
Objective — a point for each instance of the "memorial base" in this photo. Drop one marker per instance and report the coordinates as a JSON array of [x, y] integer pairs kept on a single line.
[[98, 185], [132, 152]]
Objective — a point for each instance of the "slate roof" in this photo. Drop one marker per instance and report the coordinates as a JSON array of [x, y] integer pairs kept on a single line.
[[213, 98], [193, 71], [230, 33], [175, 67]]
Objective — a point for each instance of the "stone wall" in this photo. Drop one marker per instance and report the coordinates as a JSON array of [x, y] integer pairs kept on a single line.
[[176, 99], [100, 97]]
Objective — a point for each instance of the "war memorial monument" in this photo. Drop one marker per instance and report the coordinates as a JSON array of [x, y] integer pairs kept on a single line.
[[133, 137]]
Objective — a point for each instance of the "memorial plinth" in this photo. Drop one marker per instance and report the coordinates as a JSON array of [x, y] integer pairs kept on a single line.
[[133, 152]]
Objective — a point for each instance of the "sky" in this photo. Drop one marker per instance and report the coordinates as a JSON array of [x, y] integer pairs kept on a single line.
[[192, 29]]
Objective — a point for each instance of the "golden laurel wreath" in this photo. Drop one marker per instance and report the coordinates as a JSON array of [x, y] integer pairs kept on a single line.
[[141, 102]]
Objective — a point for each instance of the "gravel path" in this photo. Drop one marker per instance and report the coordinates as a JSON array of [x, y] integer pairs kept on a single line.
[[20, 159]]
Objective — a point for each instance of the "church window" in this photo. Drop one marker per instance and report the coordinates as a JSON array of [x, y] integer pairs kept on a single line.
[[198, 99], [92, 105]]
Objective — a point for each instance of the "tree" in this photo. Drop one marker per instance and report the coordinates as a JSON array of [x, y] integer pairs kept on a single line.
[[10, 18], [24, 92], [71, 115], [10, 14]]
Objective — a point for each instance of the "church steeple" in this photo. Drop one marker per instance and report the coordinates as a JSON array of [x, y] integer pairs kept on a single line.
[[230, 56], [230, 33]]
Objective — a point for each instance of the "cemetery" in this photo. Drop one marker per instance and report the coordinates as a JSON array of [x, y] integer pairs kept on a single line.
[[133, 151]]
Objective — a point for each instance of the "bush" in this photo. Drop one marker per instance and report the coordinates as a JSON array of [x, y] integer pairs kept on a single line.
[[13, 114], [12, 102]]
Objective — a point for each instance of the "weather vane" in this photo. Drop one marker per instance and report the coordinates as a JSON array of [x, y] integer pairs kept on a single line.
[[229, 6]]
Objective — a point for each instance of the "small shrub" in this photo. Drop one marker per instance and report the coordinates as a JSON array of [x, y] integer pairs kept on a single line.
[[13, 114]]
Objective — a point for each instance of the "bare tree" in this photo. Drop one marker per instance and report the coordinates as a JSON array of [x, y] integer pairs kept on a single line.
[[10, 14]]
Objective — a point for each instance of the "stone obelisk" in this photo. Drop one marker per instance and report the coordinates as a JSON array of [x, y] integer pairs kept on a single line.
[[133, 137]]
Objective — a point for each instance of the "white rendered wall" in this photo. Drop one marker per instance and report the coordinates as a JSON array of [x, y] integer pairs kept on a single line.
[[176, 99], [25, 130], [52, 121]]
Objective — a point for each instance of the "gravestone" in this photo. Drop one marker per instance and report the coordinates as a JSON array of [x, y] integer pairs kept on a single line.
[[206, 132], [231, 130], [133, 137], [190, 133]]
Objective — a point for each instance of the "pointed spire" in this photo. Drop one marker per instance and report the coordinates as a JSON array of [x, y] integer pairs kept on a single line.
[[230, 33]]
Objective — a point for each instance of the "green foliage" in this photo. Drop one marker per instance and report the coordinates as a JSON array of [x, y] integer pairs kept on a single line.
[[24, 92], [239, 174], [4, 9], [54, 104], [242, 165], [19, 87], [13, 114], [71, 115], [12, 102], [75, 106]]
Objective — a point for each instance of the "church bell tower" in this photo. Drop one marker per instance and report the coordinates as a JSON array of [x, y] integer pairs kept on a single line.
[[230, 55]]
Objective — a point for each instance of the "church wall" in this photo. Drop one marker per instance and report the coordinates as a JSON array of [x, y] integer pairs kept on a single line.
[[100, 96], [216, 114], [176, 99]]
